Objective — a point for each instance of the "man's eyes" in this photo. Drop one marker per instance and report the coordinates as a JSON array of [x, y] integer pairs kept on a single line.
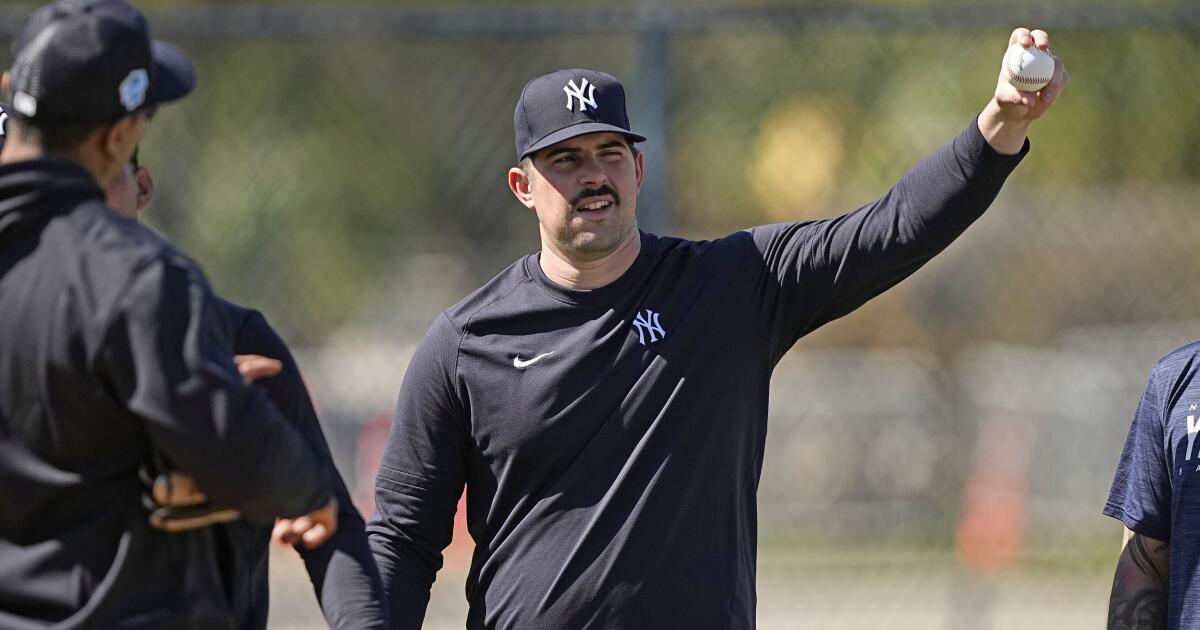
[[570, 159]]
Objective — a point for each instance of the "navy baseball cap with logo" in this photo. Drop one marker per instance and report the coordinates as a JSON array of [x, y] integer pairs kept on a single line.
[[569, 103], [92, 62]]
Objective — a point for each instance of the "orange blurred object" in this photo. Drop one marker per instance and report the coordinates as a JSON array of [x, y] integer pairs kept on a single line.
[[990, 536]]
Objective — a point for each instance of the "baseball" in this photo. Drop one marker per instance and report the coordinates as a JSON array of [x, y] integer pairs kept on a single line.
[[1028, 69]]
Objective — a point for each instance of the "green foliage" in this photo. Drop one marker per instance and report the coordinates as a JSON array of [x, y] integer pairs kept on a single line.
[[299, 181], [305, 170]]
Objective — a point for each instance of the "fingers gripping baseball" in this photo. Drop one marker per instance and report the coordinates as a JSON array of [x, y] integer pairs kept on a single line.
[[311, 530], [1031, 76], [1026, 37]]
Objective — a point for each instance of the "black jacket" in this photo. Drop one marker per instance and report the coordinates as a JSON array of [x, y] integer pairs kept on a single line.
[[110, 347]]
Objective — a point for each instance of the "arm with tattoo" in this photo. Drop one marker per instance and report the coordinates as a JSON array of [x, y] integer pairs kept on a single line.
[[1139, 593]]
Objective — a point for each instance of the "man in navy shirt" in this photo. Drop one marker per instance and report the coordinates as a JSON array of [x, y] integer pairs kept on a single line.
[[341, 567], [1154, 494], [604, 401]]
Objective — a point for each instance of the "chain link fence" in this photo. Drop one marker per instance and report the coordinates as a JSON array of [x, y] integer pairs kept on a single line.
[[936, 460]]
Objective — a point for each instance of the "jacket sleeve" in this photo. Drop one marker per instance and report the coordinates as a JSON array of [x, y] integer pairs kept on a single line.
[[799, 276], [165, 356], [342, 570], [421, 477]]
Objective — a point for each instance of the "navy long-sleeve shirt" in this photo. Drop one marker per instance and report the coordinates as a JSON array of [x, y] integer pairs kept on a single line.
[[611, 440], [342, 569]]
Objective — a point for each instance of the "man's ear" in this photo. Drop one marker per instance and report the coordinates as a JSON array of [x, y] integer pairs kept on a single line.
[[641, 168], [521, 186], [145, 187], [5, 82], [118, 140]]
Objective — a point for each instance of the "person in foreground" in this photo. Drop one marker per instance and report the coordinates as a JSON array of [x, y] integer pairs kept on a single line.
[[605, 399], [342, 569], [1154, 495], [109, 351]]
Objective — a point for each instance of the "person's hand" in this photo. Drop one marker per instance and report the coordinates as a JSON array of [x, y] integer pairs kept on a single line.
[[1005, 121], [1016, 105], [311, 530], [253, 367], [176, 504], [176, 489]]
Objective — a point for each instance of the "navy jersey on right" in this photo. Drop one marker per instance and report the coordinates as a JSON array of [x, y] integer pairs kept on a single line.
[[611, 440], [1156, 491]]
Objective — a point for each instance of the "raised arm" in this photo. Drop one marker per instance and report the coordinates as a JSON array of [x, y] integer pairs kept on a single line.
[[1139, 592], [799, 276]]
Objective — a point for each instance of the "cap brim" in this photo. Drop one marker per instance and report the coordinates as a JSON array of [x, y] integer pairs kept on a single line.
[[580, 129], [174, 76]]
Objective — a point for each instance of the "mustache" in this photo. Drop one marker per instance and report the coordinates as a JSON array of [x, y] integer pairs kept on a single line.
[[588, 193]]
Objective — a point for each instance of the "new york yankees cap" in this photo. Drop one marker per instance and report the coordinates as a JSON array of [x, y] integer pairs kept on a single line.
[[92, 61], [569, 103]]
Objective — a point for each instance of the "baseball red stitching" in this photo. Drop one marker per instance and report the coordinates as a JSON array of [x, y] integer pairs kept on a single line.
[[1013, 76]]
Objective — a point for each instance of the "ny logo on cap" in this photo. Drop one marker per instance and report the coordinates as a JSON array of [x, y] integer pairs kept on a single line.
[[25, 103], [577, 93], [133, 89]]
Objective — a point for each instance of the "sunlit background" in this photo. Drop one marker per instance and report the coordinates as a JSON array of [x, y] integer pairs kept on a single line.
[[939, 458]]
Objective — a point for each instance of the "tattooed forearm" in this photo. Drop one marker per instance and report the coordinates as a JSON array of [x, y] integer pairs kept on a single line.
[[1145, 557], [1144, 610], [1140, 586]]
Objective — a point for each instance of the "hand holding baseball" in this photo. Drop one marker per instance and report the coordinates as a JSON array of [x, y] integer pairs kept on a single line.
[[1027, 87], [1005, 121], [1028, 69]]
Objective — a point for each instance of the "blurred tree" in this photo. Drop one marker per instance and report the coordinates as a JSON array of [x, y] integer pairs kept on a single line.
[[308, 170]]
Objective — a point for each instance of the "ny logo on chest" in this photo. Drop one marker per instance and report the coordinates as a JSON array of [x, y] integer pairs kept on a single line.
[[1193, 428], [648, 326]]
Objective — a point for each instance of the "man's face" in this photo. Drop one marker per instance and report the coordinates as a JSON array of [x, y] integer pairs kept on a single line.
[[130, 190], [584, 191], [113, 146]]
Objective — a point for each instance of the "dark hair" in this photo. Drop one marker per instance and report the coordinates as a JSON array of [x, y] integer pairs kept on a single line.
[[64, 138], [52, 138]]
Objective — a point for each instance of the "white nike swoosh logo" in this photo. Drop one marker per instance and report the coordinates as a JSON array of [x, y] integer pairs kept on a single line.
[[518, 363]]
